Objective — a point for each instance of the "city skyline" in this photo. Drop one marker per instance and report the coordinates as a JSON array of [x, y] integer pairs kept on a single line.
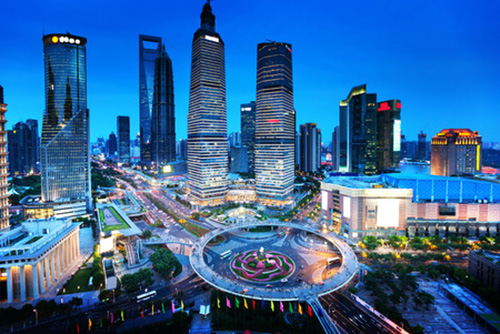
[[440, 58]]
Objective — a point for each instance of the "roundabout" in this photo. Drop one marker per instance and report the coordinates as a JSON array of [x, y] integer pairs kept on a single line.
[[293, 261]]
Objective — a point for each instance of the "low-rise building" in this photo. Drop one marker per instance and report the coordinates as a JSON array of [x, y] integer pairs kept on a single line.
[[485, 267]]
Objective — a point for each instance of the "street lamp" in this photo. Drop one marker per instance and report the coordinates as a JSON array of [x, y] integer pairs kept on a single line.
[[36, 315]]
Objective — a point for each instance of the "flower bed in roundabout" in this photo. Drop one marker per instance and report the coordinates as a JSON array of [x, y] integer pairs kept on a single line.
[[262, 266]]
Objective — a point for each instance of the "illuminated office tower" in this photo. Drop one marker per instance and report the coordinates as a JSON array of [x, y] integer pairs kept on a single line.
[[456, 152], [388, 134], [310, 147], [149, 49], [23, 148], [275, 124], [123, 126], [163, 121], [358, 132], [64, 149], [4, 196], [248, 132], [207, 119], [422, 146]]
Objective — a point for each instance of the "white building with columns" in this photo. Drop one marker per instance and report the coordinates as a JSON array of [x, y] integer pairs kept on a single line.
[[36, 254]]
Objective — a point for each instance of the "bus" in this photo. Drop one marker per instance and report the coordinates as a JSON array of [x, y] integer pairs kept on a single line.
[[332, 260], [225, 254], [146, 296]]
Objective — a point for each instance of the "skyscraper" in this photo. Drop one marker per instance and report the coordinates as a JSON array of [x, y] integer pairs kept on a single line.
[[335, 148], [64, 150], [456, 152], [310, 147], [388, 134], [4, 196], [358, 132], [112, 145], [149, 49], [163, 121], [275, 124], [422, 146], [23, 148], [207, 119], [248, 132], [123, 129]]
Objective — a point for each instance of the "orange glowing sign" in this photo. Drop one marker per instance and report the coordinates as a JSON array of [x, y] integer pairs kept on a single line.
[[55, 39]]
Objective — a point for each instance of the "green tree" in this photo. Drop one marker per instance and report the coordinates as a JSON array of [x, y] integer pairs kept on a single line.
[[147, 234]]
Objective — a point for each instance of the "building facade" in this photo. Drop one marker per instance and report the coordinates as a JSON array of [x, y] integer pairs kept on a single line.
[[422, 147], [485, 267], [358, 132], [123, 129], [275, 124], [163, 121], [456, 152], [36, 255], [238, 159], [207, 118], [4, 195], [310, 147], [112, 145], [24, 148], [335, 148], [248, 132], [388, 134], [149, 49], [64, 148]]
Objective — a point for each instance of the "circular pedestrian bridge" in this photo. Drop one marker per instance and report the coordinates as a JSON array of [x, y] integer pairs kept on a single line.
[[288, 265]]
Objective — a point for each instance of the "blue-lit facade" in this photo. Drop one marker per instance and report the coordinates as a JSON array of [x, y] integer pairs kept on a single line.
[[64, 150], [275, 124], [207, 118], [149, 49], [248, 132]]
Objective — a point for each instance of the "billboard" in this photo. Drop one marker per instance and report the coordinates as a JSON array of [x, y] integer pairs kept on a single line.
[[396, 132], [346, 207], [388, 213], [324, 200]]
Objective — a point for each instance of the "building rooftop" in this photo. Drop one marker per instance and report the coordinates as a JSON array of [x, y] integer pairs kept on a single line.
[[357, 182]]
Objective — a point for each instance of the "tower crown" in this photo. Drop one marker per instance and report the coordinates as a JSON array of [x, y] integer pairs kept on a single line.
[[207, 18]]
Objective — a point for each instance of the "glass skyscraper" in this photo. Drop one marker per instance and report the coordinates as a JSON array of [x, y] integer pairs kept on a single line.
[[64, 150], [23, 148], [207, 118], [123, 127], [310, 147], [149, 49], [388, 134], [275, 124], [163, 121], [358, 132], [248, 132]]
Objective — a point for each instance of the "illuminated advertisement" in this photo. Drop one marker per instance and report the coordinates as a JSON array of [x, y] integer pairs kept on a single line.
[[324, 200], [346, 208], [397, 135], [388, 213]]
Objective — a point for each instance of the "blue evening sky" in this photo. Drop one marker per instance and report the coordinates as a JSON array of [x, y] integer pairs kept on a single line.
[[440, 58]]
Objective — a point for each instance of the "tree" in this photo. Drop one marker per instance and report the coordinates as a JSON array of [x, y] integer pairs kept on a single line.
[[370, 242], [147, 234]]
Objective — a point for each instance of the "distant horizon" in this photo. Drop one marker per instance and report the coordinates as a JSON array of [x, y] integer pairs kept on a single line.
[[437, 58]]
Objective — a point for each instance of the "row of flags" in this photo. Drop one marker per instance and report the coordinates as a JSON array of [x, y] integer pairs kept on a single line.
[[282, 306], [122, 315]]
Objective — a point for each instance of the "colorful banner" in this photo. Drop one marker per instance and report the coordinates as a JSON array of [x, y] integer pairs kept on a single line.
[[281, 307], [228, 303], [123, 317], [263, 304], [182, 306], [218, 302], [153, 310], [253, 303], [142, 313], [309, 310], [77, 328], [272, 305], [245, 302], [112, 317], [173, 307], [237, 302], [90, 324], [290, 307], [163, 308], [300, 309]]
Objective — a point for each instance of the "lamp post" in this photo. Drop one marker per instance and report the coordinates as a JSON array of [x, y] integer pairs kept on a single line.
[[36, 315]]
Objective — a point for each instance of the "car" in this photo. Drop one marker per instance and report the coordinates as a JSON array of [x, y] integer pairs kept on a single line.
[[284, 280], [269, 285]]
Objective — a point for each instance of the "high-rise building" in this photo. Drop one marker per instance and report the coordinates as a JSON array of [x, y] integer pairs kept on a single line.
[[182, 149], [207, 118], [388, 134], [4, 196], [23, 148], [335, 148], [248, 132], [123, 129], [275, 124], [64, 148], [234, 139], [358, 132], [456, 152], [163, 121], [310, 147], [422, 146], [149, 49], [112, 145], [238, 159]]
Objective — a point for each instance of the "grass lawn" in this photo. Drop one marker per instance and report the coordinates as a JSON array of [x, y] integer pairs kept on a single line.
[[195, 229], [81, 279], [123, 224]]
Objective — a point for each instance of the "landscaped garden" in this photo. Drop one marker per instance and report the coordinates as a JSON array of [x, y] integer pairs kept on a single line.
[[262, 266], [106, 227]]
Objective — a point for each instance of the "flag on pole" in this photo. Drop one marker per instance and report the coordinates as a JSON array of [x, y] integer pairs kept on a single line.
[[77, 328], [173, 307], [153, 310], [228, 303], [309, 310], [237, 302], [123, 317], [90, 324], [263, 304], [300, 309], [182, 306], [112, 317], [272, 306], [218, 302], [245, 301], [163, 308], [253, 303], [281, 307], [290, 307], [142, 313]]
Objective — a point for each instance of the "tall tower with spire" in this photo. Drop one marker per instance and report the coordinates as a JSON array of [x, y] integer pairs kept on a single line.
[[4, 202], [207, 118]]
